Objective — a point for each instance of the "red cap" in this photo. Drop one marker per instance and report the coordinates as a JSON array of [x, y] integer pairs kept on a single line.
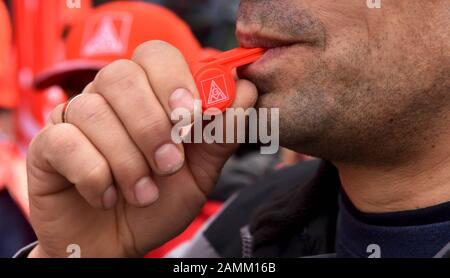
[[112, 31]]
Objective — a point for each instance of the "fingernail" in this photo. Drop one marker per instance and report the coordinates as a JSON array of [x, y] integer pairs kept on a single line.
[[110, 198], [168, 159], [182, 98], [146, 192]]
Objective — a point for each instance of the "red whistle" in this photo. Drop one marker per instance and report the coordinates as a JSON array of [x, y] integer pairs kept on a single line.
[[214, 76]]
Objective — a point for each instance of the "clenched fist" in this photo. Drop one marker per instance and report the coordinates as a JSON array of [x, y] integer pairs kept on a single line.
[[109, 178]]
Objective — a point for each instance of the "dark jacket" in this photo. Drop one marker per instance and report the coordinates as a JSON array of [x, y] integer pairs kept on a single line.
[[290, 213]]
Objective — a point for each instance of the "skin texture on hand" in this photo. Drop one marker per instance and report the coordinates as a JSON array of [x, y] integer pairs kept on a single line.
[[111, 180]]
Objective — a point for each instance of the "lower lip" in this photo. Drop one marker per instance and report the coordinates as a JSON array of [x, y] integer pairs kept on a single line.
[[271, 54]]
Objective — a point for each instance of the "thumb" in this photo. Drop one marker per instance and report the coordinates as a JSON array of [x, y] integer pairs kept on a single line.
[[246, 94], [207, 159]]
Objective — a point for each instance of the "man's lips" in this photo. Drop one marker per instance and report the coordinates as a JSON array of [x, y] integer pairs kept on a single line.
[[258, 40], [275, 47], [279, 51]]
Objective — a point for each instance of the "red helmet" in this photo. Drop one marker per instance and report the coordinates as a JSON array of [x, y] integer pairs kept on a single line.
[[111, 32]]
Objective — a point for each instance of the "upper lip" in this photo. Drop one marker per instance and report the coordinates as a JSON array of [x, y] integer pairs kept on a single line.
[[255, 39]]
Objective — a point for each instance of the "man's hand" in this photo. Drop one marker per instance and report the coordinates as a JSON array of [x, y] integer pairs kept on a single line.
[[111, 180]]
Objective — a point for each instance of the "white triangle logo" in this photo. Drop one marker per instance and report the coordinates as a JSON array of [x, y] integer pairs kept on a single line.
[[216, 94], [106, 40]]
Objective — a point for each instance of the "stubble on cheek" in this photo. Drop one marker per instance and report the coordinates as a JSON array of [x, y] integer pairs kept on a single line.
[[288, 18]]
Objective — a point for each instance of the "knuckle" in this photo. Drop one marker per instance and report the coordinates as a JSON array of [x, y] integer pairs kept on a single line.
[[131, 168], [61, 139], [118, 72], [56, 114], [37, 145], [89, 88], [153, 49], [95, 177], [153, 129], [92, 107], [37, 140], [93, 182]]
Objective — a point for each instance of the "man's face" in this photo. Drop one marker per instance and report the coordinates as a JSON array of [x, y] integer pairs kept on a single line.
[[353, 84]]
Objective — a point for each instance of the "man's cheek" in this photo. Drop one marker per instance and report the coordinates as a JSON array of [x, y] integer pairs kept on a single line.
[[346, 59], [339, 15]]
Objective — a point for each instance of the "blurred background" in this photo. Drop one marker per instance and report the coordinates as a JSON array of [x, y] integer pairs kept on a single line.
[[50, 49]]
